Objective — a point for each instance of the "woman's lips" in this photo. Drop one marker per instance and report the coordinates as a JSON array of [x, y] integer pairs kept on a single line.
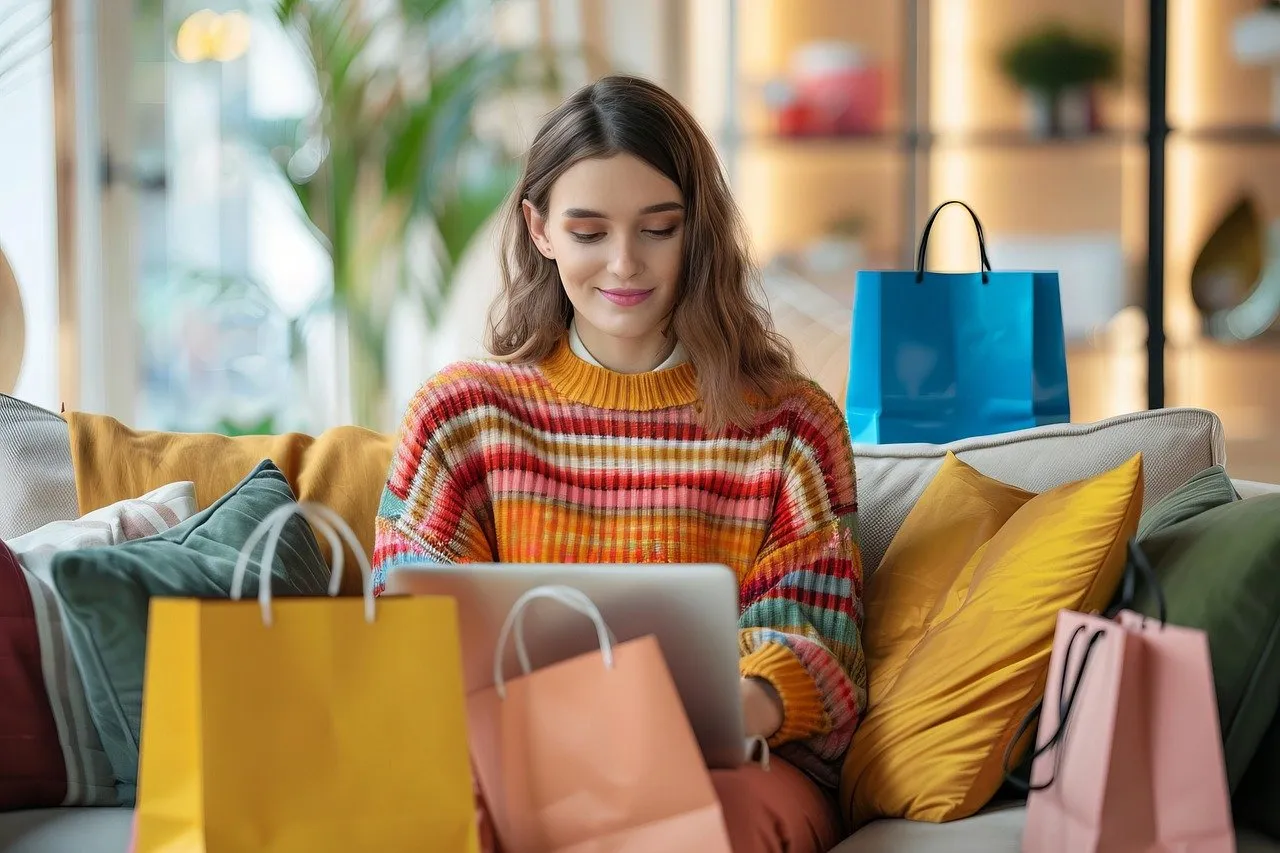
[[626, 297]]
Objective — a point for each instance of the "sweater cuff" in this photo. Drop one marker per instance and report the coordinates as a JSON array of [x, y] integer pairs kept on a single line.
[[803, 711]]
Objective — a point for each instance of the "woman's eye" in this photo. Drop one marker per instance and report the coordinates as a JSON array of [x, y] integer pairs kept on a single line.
[[662, 233], [587, 238]]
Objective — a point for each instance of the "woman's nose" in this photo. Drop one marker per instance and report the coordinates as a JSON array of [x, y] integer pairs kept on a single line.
[[626, 263]]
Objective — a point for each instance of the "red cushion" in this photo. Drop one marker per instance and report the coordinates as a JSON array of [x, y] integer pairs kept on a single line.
[[33, 773]]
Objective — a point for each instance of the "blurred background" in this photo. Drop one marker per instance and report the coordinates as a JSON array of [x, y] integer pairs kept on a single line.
[[223, 216]]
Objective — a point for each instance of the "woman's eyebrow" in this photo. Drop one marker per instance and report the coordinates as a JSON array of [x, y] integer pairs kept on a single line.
[[584, 213]]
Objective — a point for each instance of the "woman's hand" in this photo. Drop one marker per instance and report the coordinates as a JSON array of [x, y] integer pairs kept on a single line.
[[761, 707]]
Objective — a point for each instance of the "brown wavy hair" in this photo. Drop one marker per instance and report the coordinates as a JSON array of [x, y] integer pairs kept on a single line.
[[726, 331]]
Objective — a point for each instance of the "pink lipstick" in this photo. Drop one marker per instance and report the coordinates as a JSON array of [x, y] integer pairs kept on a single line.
[[626, 298]]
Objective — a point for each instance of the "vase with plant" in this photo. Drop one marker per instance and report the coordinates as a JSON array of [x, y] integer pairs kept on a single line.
[[390, 172], [1059, 70]]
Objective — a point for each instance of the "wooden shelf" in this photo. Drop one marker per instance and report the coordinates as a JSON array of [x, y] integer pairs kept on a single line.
[[1240, 134], [924, 140], [1015, 138]]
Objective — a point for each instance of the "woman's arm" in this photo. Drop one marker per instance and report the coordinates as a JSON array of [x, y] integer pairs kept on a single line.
[[802, 610], [433, 509]]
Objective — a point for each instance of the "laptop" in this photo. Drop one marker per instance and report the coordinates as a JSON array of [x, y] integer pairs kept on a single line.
[[692, 609]]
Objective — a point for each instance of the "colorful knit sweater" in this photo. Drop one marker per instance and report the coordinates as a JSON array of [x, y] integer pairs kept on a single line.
[[569, 462]]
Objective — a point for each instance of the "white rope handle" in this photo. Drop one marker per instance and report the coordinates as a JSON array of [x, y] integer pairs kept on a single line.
[[335, 531], [758, 745], [567, 595]]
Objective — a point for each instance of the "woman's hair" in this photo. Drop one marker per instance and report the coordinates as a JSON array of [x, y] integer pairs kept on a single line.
[[727, 333]]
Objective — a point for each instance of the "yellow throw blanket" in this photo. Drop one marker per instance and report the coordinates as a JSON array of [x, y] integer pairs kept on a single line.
[[344, 468]]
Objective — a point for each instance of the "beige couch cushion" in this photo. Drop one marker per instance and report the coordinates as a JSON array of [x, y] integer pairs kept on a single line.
[[1175, 444], [998, 830]]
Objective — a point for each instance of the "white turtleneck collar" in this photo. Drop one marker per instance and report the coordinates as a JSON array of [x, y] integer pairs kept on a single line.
[[677, 357]]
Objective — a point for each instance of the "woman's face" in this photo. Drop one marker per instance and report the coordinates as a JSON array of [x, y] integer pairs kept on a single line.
[[615, 228]]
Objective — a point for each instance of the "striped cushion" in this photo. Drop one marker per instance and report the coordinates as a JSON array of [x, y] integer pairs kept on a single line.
[[88, 777], [36, 473]]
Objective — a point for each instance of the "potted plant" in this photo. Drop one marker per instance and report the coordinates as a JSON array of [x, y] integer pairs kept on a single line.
[[390, 172], [1059, 69]]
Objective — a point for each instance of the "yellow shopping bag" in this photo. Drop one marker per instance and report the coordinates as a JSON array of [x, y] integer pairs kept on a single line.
[[304, 724]]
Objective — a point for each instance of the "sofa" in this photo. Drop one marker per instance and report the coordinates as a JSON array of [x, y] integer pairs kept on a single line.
[[35, 459]]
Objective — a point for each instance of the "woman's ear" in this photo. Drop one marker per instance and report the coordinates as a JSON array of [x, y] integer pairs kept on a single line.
[[537, 225]]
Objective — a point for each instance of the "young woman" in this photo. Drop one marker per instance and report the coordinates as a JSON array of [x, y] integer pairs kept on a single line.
[[640, 408]]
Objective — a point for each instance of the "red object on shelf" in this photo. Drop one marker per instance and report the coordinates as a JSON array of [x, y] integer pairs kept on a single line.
[[840, 103]]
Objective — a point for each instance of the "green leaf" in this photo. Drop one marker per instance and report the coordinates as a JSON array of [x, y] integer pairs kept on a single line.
[[228, 427], [286, 9], [455, 97], [422, 11], [434, 128], [464, 213]]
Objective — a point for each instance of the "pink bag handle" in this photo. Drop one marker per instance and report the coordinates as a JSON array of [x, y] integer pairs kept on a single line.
[[1066, 701], [1139, 565]]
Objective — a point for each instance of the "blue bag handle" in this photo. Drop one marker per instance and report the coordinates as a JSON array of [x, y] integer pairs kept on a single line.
[[924, 242]]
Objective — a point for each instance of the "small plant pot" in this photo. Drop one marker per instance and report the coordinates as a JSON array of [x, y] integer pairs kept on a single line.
[[1069, 113]]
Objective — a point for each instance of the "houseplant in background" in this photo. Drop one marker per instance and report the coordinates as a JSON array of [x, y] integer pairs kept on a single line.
[[1059, 70], [390, 172]]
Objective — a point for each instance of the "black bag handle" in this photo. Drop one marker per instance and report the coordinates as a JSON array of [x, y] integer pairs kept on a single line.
[[985, 262], [1139, 566], [1066, 702]]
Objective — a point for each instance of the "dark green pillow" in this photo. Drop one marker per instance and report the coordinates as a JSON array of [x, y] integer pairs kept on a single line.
[[1257, 801], [1206, 490], [1220, 572], [106, 593]]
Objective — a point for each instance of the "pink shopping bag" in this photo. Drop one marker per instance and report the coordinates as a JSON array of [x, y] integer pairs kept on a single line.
[[1129, 754], [591, 754]]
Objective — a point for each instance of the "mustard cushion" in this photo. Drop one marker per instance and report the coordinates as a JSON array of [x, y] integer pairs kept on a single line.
[[960, 622], [343, 468]]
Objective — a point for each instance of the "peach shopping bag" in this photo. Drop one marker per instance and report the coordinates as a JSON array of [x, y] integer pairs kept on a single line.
[[304, 724], [1130, 750], [591, 754]]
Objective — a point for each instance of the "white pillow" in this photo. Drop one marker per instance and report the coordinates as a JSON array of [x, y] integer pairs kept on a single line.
[[37, 479], [90, 781], [1175, 444]]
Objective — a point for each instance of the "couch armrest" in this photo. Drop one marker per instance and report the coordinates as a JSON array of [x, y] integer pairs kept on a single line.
[[1251, 489]]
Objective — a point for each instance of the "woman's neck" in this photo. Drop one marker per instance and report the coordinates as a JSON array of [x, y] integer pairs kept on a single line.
[[623, 355]]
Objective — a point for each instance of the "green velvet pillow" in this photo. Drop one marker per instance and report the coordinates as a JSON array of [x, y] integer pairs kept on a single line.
[[1220, 572], [106, 593], [1257, 801], [1206, 490]]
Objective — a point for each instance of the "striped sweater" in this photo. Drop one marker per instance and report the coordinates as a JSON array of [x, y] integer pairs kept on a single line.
[[569, 462]]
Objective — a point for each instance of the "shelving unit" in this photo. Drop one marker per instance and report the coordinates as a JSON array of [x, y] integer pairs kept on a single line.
[[1122, 212]]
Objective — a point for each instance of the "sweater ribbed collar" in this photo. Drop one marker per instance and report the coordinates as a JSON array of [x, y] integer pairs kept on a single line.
[[595, 385]]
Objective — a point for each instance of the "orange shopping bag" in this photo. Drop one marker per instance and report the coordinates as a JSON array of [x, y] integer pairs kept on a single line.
[[1130, 755], [591, 754], [315, 725]]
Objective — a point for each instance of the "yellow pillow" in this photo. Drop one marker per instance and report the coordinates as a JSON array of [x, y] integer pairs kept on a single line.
[[960, 621], [343, 468]]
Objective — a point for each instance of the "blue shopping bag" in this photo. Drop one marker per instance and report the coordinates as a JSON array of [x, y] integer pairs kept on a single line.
[[937, 357]]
